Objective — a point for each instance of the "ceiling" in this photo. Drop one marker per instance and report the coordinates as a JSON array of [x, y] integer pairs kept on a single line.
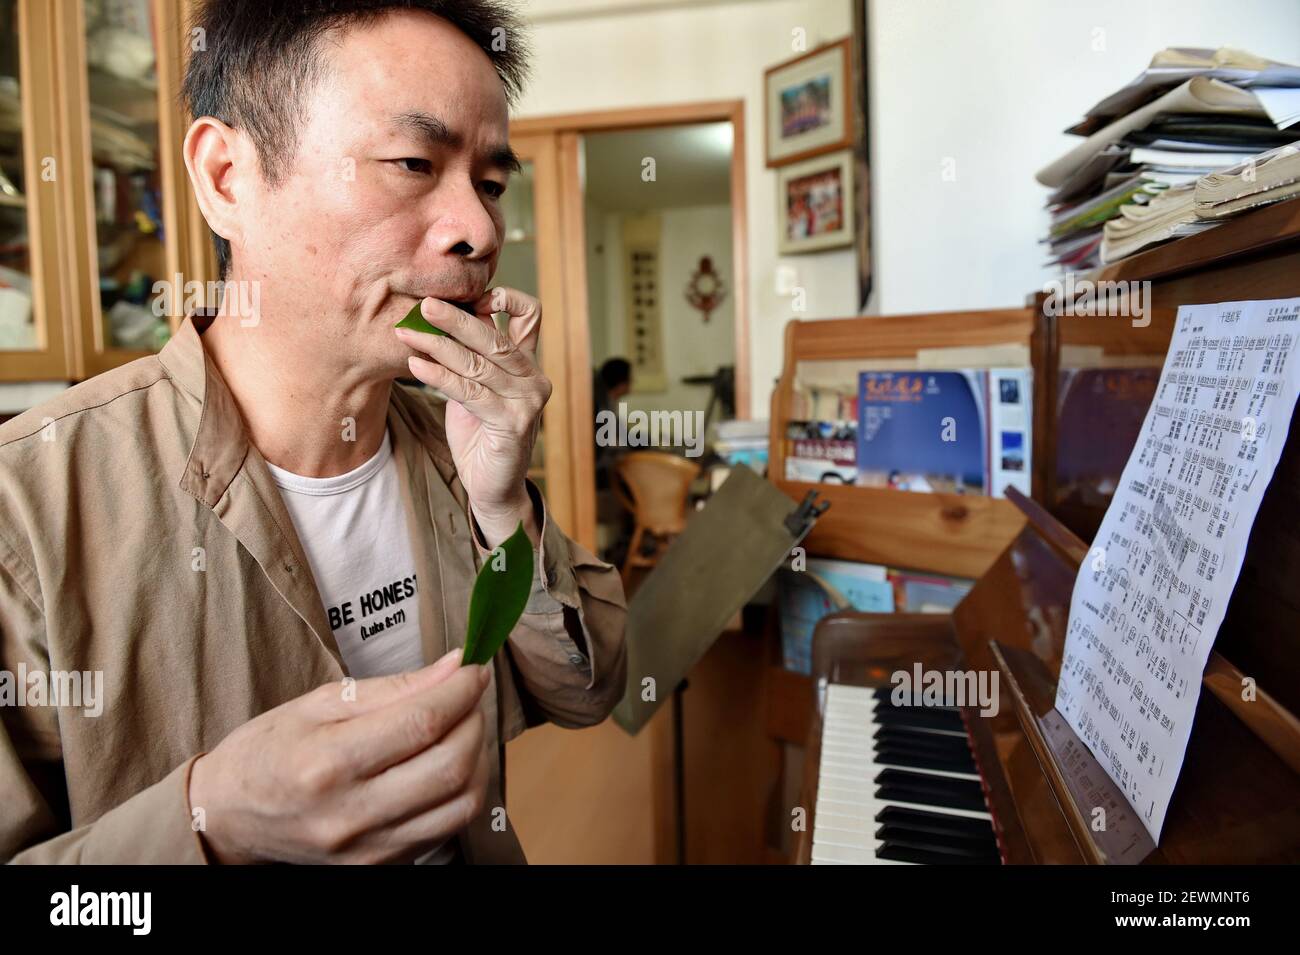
[[692, 167]]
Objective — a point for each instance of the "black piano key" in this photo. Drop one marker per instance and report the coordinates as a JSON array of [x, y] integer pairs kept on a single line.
[[921, 717], [979, 840], [942, 744], [897, 853], [937, 822], [901, 756], [899, 785], [981, 852], [886, 695]]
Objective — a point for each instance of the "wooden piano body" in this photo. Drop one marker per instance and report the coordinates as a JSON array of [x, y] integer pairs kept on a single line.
[[1238, 797]]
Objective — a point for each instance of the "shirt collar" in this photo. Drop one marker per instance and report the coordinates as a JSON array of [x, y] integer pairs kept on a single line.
[[221, 444]]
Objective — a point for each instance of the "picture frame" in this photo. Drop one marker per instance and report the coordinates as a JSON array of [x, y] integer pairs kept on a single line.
[[815, 204], [808, 104]]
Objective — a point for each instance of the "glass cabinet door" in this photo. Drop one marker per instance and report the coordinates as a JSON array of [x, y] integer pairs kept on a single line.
[[124, 131], [34, 344]]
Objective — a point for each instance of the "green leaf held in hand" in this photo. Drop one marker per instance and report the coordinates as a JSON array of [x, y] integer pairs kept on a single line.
[[416, 322], [500, 593]]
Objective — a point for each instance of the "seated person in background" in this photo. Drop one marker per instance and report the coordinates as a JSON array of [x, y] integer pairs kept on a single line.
[[611, 383]]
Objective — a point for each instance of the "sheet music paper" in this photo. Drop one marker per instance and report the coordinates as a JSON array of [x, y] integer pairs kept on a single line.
[[1152, 593]]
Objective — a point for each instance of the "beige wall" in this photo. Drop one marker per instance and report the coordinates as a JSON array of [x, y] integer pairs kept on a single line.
[[660, 53], [691, 345]]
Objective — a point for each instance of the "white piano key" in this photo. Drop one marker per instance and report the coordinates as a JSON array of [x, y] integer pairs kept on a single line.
[[852, 856], [844, 821], [844, 854]]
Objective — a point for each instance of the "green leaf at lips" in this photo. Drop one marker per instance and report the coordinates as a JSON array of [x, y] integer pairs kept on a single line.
[[498, 598], [416, 322]]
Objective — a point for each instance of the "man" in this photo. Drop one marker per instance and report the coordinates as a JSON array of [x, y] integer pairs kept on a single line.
[[257, 538], [610, 384]]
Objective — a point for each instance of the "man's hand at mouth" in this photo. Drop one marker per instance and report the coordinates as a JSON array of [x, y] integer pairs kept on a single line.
[[497, 393]]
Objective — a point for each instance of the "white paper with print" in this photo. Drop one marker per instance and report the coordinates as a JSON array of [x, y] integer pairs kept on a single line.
[[1152, 593]]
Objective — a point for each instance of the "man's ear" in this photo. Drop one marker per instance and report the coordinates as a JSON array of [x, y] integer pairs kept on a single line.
[[218, 158]]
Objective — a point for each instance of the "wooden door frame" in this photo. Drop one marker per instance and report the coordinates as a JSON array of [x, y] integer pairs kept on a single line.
[[543, 153], [567, 130]]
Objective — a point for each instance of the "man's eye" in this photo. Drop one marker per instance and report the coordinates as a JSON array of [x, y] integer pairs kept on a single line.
[[416, 165], [494, 189]]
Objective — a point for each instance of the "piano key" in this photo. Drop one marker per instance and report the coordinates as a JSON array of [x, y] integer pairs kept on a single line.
[[938, 742], [843, 823], [898, 756], [962, 850], [949, 722], [895, 853], [909, 786], [843, 853], [886, 695], [934, 821], [866, 741]]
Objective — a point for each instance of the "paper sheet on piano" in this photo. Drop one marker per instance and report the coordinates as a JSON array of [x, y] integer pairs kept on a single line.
[[1153, 590]]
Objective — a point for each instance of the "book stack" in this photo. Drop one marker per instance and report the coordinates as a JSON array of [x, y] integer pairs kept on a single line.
[[1270, 177], [1131, 182]]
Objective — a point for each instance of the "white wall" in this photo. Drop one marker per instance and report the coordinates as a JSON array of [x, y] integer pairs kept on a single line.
[[691, 346], [658, 54], [991, 84]]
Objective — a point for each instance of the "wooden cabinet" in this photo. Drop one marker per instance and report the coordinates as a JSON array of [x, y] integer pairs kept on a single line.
[[35, 340], [98, 210]]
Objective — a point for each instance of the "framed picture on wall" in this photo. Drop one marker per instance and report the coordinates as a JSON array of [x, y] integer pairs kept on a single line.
[[809, 104], [815, 204]]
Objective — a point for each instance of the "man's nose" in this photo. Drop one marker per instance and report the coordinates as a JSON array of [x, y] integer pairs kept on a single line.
[[465, 226]]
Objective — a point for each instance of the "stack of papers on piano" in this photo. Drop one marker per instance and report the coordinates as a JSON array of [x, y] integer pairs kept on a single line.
[[1187, 209], [1167, 216], [1270, 177], [1191, 113]]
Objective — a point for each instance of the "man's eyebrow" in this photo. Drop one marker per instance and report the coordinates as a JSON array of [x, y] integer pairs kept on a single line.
[[435, 132]]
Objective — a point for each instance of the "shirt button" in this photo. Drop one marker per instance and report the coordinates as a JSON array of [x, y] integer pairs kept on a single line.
[[577, 659]]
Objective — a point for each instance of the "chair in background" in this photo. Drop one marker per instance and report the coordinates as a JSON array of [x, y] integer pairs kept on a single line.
[[655, 487]]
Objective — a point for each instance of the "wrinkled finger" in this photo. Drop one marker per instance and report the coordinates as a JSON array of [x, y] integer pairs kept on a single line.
[[374, 741], [347, 699], [524, 310], [484, 403], [461, 361], [478, 334], [442, 821], [428, 779]]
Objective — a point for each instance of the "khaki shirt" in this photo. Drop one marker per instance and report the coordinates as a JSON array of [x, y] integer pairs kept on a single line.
[[142, 537]]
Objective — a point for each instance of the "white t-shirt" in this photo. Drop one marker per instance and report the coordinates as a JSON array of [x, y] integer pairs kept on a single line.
[[353, 528]]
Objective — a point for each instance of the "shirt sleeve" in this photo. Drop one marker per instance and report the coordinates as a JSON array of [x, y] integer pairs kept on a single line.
[[568, 648], [153, 826]]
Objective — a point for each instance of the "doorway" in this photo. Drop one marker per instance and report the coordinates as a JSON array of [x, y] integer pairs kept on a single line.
[[598, 795]]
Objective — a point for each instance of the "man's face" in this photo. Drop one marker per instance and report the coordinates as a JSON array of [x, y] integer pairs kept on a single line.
[[393, 193]]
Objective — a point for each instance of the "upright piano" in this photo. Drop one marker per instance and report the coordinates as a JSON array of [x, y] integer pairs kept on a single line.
[[927, 782]]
